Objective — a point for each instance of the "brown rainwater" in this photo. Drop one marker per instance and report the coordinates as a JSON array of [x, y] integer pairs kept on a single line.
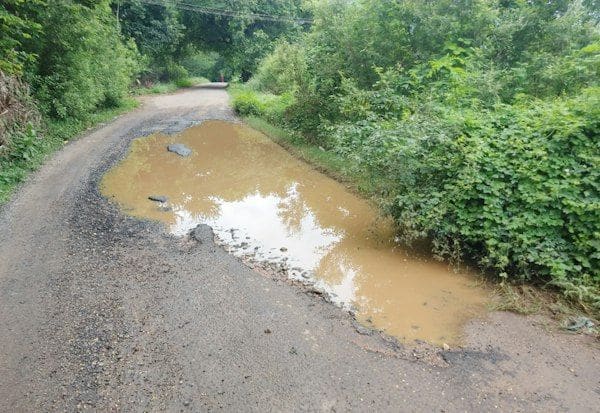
[[262, 201]]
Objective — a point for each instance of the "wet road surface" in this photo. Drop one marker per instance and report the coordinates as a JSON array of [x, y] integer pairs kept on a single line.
[[268, 207], [101, 311]]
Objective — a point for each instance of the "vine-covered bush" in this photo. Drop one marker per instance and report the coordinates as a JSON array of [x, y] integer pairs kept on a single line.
[[517, 188], [476, 124]]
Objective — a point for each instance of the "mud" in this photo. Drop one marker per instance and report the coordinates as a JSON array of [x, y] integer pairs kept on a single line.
[[267, 206], [103, 312]]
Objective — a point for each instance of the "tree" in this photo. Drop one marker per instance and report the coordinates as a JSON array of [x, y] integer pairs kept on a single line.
[[82, 62], [157, 32], [241, 38], [17, 25]]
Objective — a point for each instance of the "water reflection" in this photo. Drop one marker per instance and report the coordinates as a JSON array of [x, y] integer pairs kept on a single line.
[[261, 201]]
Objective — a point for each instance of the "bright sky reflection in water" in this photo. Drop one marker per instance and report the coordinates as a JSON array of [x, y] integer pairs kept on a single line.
[[260, 200]]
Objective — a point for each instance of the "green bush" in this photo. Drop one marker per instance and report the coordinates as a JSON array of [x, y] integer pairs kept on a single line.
[[24, 146], [186, 82], [476, 125], [517, 188], [174, 72], [281, 71], [83, 64], [248, 102]]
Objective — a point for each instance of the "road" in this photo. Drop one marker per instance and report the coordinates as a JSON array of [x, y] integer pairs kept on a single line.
[[101, 312]]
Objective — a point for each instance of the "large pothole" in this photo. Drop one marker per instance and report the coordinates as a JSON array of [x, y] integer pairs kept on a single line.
[[266, 205]]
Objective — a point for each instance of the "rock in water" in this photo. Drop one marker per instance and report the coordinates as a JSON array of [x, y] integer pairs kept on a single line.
[[158, 198], [202, 233], [180, 149]]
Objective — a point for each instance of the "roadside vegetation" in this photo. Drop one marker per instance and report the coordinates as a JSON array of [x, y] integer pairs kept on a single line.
[[474, 124], [169, 87], [66, 65]]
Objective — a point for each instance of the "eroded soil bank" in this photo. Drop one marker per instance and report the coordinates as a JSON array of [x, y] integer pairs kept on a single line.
[[267, 206]]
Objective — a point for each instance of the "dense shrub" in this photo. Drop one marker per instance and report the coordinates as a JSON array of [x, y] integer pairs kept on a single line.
[[517, 188], [503, 49], [476, 123], [83, 64], [281, 71], [248, 102]]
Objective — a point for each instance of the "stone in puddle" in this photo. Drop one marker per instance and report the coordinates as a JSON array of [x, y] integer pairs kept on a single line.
[[202, 233], [180, 149], [158, 198]]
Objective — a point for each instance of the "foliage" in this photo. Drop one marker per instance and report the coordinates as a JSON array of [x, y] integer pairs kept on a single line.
[[157, 32], [82, 65], [204, 64], [19, 137], [77, 63], [248, 102], [241, 40], [476, 124], [516, 187], [18, 113], [16, 27], [283, 70], [511, 47]]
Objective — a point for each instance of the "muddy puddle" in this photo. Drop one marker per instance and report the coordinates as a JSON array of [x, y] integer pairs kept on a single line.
[[267, 206]]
